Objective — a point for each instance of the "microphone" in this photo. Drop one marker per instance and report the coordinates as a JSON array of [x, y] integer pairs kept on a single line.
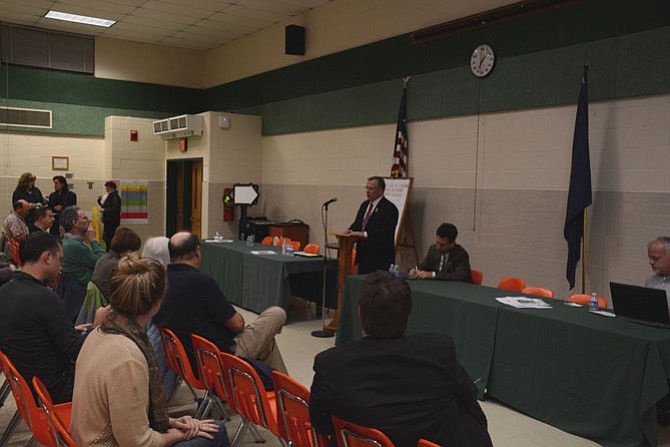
[[334, 199]]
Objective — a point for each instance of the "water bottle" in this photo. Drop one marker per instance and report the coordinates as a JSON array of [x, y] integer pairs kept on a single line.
[[393, 269], [250, 241], [284, 246], [290, 251], [593, 302]]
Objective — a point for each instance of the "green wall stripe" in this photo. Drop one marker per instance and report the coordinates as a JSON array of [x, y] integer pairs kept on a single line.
[[75, 119], [32, 84]]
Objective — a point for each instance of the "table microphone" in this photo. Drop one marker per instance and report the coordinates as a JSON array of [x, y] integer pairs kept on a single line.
[[334, 199]]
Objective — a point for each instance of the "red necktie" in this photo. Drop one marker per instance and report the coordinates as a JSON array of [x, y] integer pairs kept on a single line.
[[367, 216]]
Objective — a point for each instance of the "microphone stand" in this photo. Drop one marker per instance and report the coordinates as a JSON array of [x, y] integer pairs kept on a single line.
[[323, 333]]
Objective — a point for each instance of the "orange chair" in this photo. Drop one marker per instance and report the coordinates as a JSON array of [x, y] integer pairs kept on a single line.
[[312, 248], [539, 291], [211, 373], [16, 418], [477, 277], [427, 443], [353, 435], [33, 416], [14, 249], [248, 398], [584, 299], [513, 284], [280, 241], [267, 240], [177, 360], [296, 245], [293, 413], [58, 427]]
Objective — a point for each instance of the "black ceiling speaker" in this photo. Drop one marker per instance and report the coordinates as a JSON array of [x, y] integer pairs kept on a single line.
[[295, 40]]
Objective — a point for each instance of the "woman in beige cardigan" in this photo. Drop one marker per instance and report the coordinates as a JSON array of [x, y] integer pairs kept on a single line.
[[118, 395]]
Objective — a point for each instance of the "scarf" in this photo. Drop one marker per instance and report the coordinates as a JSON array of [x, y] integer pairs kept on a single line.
[[128, 327]]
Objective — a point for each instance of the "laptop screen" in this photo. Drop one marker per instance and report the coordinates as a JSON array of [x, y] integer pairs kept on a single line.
[[640, 303]]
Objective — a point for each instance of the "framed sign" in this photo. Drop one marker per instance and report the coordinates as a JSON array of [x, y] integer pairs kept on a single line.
[[59, 163]]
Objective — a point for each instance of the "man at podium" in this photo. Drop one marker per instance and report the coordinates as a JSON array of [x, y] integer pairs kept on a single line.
[[375, 224]]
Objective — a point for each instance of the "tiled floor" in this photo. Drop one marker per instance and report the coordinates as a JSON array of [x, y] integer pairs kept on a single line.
[[508, 428]]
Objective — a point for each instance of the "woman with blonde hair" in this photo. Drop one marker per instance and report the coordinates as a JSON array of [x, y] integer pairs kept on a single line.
[[118, 397]]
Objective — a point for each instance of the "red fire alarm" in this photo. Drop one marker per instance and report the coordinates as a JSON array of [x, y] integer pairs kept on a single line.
[[133, 135]]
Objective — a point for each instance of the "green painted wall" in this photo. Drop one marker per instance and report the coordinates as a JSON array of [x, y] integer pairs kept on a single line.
[[539, 64]]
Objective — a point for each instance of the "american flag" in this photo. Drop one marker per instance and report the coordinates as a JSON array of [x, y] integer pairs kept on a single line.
[[400, 168]]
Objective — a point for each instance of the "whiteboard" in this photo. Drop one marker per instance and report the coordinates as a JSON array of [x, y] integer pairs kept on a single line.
[[397, 191]]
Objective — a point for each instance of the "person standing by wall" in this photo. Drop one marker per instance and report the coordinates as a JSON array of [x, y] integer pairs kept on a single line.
[[60, 199], [111, 212]]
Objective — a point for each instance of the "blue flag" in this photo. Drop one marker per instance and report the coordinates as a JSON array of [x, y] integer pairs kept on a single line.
[[579, 196]]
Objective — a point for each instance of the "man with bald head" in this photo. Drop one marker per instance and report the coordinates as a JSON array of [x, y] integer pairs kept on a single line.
[[194, 304], [15, 225]]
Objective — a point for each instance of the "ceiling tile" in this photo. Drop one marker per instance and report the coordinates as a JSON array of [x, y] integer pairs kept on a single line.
[[200, 24]]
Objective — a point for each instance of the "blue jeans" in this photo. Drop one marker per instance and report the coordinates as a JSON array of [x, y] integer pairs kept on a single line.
[[220, 439]]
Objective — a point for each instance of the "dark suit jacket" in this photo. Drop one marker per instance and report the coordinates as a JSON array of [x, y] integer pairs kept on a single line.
[[377, 251], [457, 267], [408, 387]]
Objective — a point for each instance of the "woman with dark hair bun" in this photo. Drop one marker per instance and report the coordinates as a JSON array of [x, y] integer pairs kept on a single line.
[[60, 199], [118, 396]]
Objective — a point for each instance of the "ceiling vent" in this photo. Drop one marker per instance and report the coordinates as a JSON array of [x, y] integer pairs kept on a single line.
[[19, 117]]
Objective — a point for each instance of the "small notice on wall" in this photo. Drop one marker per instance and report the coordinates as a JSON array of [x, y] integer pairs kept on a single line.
[[134, 202]]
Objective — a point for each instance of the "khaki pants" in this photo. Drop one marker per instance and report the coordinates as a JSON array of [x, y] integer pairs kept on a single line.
[[257, 340]]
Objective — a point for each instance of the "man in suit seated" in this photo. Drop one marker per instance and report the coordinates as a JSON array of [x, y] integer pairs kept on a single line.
[[446, 260], [194, 304], [375, 224], [409, 387]]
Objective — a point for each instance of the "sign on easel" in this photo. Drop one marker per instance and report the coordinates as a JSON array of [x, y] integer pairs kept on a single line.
[[397, 191]]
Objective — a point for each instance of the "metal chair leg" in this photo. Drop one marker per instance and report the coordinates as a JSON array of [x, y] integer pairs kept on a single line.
[[239, 433], [258, 439], [204, 407], [4, 392], [10, 428]]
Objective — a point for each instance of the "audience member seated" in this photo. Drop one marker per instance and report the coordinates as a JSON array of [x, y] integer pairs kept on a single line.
[[123, 242], [15, 225], [118, 396], [658, 251], [446, 260], [156, 248], [196, 305], [409, 387], [35, 332], [80, 249], [44, 218]]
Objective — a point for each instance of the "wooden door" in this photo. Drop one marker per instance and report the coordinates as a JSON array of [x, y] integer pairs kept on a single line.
[[196, 197], [183, 208]]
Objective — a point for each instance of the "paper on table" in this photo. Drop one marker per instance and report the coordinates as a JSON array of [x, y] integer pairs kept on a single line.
[[523, 302], [263, 252], [604, 313], [219, 241]]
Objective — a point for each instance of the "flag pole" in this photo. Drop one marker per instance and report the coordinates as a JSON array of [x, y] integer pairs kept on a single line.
[[584, 255]]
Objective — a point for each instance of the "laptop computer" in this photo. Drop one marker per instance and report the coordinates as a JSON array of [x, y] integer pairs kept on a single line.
[[640, 304]]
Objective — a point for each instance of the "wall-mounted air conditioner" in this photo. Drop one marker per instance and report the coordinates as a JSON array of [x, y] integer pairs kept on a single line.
[[181, 126]]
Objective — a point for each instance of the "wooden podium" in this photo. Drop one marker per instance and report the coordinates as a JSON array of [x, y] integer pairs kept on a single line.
[[345, 242]]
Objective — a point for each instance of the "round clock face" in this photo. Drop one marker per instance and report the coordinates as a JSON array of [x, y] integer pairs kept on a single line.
[[482, 60]]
